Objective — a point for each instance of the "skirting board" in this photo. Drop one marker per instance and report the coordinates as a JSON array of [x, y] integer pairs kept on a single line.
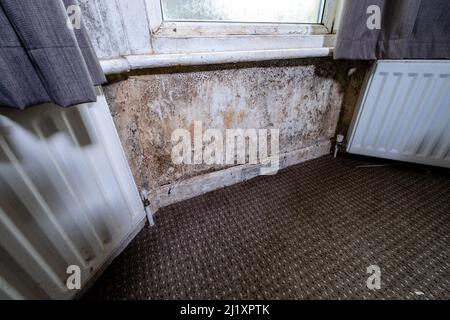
[[190, 188]]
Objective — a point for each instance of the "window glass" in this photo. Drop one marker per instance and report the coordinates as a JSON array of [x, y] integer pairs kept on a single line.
[[246, 11]]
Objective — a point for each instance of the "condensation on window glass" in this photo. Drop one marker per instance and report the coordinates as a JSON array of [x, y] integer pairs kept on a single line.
[[262, 11]]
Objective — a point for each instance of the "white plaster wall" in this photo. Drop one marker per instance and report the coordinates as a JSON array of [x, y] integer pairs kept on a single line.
[[117, 27]]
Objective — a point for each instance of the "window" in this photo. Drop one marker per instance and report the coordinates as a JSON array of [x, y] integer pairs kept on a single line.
[[200, 26], [251, 11]]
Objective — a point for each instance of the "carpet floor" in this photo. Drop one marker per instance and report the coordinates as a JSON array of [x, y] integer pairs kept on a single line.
[[309, 232]]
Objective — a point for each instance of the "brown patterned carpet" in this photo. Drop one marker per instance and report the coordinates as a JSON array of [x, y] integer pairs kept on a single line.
[[309, 232]]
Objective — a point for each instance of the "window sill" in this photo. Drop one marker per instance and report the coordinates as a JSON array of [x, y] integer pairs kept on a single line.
[[147, 61]]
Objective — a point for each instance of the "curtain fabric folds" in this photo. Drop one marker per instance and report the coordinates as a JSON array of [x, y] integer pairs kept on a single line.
[[42, 59], [410, 29]]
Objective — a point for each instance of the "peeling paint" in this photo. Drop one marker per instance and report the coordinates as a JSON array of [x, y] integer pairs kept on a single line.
[[303, 98]]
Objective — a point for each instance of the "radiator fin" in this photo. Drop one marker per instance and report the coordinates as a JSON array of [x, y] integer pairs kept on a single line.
[[404, 113], [67, 197]]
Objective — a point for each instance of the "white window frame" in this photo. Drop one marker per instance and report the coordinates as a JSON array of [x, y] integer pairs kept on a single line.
[[200, 37], [195, 43]]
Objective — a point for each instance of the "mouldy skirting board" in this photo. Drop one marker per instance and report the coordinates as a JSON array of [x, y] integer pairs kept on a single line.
[[190, 188]]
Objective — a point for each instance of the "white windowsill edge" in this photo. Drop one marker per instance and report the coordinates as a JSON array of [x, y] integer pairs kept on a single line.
[[146, 61]]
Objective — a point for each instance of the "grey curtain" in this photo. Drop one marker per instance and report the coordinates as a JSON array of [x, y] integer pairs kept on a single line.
[[42, 59], [410, 29]]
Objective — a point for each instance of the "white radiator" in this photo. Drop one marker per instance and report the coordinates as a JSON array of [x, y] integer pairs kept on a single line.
[[404, 113], [67, 197]]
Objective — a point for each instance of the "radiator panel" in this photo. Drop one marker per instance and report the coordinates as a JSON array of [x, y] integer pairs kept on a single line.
[[404, 113], [67, 197]]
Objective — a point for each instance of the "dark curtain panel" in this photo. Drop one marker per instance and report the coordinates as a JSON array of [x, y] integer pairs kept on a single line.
[[410, 29], [42, 59]]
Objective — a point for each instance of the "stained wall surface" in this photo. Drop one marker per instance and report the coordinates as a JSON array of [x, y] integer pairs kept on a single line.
[[302, 98]]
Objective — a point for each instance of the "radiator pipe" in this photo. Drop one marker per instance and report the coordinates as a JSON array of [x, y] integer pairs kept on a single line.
[[339, 143], [148, 210]]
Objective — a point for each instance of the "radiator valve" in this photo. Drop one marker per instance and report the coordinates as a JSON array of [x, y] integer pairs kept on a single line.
[[339, 144], [148, 211]]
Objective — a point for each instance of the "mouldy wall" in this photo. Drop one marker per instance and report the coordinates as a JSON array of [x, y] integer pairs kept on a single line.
[[303, 98]]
